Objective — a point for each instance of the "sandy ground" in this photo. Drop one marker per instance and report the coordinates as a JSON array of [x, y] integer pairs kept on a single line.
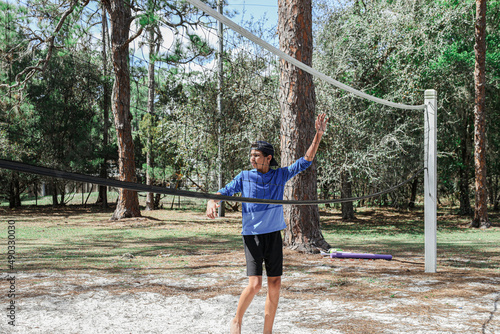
[[324, 296]]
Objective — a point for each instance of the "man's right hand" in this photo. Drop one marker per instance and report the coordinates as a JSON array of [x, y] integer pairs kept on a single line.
[[212, 209]]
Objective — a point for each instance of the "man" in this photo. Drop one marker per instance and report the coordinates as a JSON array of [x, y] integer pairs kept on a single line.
[[262, 223]]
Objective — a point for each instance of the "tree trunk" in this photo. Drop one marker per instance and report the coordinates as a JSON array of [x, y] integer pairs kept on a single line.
[[151, 94], [121, 17], [325, 191], [413, 195], [491, 195], [17, 196], [103, 190], [157, 200], [14, 191], [481, 204], [465, 207], [297, 100], [496, 197], [463, 182], [63, 194], [346, 192], [55, 199]]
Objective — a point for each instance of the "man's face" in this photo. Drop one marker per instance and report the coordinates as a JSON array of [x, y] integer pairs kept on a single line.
[[259, 161]]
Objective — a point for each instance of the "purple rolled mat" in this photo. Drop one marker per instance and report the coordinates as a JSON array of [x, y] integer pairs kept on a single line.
[[344, 255]]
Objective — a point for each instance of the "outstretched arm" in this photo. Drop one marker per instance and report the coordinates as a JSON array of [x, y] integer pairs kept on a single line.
[[320, 129]]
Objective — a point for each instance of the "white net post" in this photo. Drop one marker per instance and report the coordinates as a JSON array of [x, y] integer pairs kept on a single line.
[[430, 180]]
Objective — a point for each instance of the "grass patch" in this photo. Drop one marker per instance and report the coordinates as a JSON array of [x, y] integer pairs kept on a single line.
[[401, 234], [79, 238]]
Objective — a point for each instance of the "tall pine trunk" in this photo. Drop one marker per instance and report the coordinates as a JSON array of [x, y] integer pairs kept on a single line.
[[495, 193], [103, 190], [150, 203], [14, 191], [481, 204], [346, 192], [413, 194], [120, 18], [53, 188], [297, 100], [463, 173]]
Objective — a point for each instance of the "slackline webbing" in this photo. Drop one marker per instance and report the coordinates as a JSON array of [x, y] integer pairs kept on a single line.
[[242, 31], [26, 168]]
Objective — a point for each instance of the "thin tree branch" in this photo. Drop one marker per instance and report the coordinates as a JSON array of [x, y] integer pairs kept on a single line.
[[128, 41], [41, 65]]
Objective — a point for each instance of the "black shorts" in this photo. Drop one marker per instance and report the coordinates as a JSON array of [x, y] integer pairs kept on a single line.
[[267, 248]]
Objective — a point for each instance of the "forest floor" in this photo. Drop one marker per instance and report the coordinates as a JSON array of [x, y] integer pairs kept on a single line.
[[178, 272]]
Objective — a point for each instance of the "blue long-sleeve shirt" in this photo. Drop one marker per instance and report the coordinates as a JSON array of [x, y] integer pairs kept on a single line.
[[263, 218]]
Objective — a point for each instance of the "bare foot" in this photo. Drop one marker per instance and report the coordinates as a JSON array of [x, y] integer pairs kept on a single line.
[[235, 327]]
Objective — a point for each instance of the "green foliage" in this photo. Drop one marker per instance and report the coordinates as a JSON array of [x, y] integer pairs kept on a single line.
[[63, 113], [52, 121], [395, 50], [200, 45], [390, 49], [147, 19], [371, 50]]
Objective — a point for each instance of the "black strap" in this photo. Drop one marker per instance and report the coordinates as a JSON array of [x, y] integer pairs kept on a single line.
[[26, 168]]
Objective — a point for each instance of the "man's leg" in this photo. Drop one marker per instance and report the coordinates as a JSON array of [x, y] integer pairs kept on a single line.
[[273, 296], [253, 287]]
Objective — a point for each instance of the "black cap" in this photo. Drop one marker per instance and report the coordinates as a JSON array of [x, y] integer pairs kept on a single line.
[[266, 148]]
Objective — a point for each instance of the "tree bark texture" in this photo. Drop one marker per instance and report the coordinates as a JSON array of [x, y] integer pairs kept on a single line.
[[53, 188], [297, 100], [346, 192], [413, 194], [481, 203], [463, 172], [120, 18], [103, 190], [150, 203], [14, 191], [495, 197]]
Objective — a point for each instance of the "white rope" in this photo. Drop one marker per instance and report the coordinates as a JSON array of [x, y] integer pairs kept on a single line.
[[221, 18]]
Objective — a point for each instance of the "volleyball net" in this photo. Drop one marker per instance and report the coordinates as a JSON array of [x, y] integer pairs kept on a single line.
[[375, 143]]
